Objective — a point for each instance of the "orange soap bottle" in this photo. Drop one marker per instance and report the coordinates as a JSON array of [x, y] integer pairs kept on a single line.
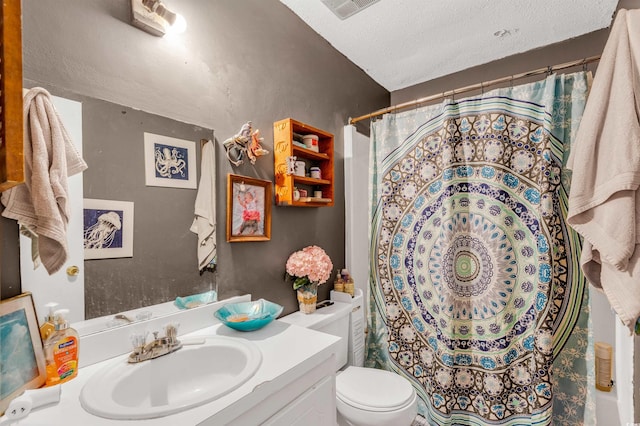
[[61, 351]]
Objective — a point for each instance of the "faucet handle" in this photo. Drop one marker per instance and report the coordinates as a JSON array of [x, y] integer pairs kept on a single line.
[[138, 339], [171, 330]]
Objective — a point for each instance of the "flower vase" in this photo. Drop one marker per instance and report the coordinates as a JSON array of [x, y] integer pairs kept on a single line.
[[307, 298]]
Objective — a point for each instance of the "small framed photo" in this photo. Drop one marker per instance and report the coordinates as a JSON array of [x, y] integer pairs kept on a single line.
[[248, 209], [169, 162], [22, 361], [108, 229]]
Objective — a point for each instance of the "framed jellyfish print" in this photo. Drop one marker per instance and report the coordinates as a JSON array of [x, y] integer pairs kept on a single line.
[[108, 229], [169, 162]]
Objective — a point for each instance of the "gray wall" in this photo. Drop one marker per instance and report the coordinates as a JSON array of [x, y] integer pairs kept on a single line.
[[239, 60]]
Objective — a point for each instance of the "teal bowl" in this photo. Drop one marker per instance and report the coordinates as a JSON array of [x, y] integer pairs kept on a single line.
[[248, 316]]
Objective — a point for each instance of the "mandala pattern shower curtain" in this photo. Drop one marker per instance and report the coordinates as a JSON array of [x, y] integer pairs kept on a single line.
[[477, 296]]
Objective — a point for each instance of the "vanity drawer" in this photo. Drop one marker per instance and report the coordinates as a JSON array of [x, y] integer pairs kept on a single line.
[[316, 407]]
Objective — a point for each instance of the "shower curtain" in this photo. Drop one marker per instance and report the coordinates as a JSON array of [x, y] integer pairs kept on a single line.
[[476, 292]]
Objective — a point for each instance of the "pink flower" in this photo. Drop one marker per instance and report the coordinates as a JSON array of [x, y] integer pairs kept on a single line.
[[310, 264]]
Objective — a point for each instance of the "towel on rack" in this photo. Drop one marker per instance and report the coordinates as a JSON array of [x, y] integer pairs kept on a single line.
[[40, 205], [204, 223], [604, 200]]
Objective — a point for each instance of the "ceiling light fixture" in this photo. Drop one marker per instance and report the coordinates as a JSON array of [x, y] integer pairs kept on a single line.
[[155, 18]]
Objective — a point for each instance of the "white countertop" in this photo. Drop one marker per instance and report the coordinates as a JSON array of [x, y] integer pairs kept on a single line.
[[288, 351]]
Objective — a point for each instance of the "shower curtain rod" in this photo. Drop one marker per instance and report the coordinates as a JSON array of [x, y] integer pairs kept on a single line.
[[482, 86]]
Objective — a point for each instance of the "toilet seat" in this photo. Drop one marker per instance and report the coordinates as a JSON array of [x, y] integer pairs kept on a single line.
[[371, 389]]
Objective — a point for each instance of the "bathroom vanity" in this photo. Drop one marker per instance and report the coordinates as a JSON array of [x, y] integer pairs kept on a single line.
[[294, 383]]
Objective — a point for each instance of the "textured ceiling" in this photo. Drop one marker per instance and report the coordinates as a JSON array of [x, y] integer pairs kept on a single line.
[[400, 43]]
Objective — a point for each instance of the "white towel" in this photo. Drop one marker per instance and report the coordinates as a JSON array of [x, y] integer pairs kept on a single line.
[[204, 223], [40, 204], [604, 203]]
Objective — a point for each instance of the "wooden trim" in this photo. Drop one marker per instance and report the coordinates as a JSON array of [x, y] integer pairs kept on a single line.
[[265, 208], [11, 126]]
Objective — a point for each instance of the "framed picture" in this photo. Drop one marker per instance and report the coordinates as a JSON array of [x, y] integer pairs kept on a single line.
[[22, 361], [248, 209], [108, 229], [169, 162]]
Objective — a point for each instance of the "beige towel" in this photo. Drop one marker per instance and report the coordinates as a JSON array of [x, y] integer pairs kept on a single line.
[[204, 223], [604, 203], [41, 204]]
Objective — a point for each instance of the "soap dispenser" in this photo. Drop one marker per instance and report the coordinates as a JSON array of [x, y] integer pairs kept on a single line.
[[61, 351], [48, 326]]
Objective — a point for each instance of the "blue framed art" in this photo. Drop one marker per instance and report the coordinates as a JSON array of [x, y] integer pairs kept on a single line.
[[107, 229], [169, 162]]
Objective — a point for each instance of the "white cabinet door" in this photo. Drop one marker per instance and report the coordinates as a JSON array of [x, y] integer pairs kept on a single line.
[[66, 290], [316, 407]]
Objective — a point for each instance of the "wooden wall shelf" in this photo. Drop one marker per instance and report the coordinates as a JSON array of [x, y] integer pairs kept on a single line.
[[11, 130], [284, 147]]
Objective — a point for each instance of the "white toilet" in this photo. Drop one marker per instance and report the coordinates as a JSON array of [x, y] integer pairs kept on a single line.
[[364, 396]]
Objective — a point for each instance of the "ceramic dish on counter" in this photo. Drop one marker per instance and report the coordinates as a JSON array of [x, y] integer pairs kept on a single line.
[[248, 316]]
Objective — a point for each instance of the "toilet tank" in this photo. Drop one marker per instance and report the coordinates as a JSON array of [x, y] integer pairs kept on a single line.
[[332, 320]]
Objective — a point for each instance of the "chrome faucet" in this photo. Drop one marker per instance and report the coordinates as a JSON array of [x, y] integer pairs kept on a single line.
[[159, 346]]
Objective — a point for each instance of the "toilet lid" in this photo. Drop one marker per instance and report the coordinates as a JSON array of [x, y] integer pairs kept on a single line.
[[372, 389]]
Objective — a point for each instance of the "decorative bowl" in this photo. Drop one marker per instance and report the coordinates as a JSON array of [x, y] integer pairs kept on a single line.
[[196, 300], [248, 316]]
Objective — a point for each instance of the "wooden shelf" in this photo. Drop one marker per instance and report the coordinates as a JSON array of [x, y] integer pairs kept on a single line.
[[314, 200], [284, 148], [311, 155], [311, 202], [11, 130], [303, 180]]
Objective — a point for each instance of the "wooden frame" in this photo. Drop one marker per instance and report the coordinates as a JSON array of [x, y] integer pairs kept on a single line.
[[11, 127], [21, 353], [248, 209]]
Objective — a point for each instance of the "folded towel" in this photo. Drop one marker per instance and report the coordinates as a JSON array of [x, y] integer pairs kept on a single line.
[[204, 223], [604, 204], [40, 205]]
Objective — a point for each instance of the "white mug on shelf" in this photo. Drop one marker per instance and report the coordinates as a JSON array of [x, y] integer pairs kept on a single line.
[[300, 168], [315, 172]]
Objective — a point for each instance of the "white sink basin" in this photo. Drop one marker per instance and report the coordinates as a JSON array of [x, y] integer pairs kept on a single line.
[[191, 376]]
